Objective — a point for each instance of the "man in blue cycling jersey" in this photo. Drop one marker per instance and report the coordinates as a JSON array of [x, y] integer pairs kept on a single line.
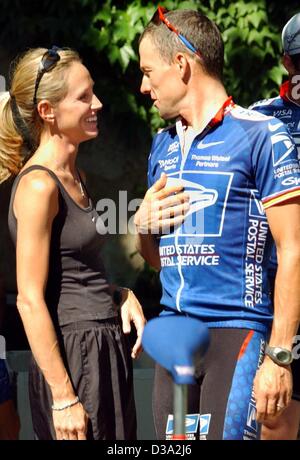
[[218, 189], [286, 107]]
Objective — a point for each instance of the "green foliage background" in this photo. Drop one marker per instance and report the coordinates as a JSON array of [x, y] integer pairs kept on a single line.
[[106, 34]]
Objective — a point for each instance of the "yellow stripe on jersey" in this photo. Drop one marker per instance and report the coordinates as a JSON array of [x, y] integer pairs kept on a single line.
[[281, 197]]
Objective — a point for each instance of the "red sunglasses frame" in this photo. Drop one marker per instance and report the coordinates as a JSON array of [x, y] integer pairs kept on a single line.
[[161, 10]]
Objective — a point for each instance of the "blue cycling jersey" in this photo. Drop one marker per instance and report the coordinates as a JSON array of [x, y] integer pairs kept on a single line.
[[283, 108], [289, 113], [214, 265]]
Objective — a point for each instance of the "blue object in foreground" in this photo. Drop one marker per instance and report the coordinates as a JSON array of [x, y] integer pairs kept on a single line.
[[173, 341]]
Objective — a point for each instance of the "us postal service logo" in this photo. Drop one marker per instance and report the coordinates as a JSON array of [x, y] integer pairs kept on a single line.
[[192, 422], [297, 142], [208, 192], [282, 146], [204, 424], [256, 208], [251, 417]]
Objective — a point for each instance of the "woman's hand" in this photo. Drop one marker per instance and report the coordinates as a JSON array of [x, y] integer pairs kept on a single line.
[[131, 311], [70, 423]]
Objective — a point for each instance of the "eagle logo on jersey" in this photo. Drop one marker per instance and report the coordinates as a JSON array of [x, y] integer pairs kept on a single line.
[[208, 192]]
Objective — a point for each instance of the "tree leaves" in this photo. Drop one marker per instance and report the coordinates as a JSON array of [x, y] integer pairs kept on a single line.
[[110, 29]]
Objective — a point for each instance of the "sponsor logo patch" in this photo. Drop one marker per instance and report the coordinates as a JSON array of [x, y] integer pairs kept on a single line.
[[191, 426], [273, 128], [284, 113], [251, 417], [203, 145], [291, 181], [174, 147], [282, 146], [204, 424], [208, 193], [256, 208]]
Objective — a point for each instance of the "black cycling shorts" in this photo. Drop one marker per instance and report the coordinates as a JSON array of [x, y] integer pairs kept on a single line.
[[221, 405]]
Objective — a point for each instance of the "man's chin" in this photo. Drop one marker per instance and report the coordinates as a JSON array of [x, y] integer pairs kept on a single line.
[[163, 114], [167, 116]]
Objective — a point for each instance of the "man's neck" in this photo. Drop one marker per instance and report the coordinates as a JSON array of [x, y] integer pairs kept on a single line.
[[202, 103]]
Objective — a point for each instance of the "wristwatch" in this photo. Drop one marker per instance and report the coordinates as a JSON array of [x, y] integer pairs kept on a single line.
[[279, 355]]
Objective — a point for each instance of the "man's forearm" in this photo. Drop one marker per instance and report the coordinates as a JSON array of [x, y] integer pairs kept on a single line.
[[286, 300]]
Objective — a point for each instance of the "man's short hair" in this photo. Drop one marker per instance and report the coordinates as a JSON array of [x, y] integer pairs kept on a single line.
[[200, 31], [291, 36]]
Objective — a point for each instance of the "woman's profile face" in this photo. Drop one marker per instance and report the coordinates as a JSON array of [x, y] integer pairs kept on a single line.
[[76, 114]]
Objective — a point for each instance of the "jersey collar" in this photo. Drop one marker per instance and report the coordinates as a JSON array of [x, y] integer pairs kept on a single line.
[[218, 117], [181, 128], [226, 107], [285, 91]]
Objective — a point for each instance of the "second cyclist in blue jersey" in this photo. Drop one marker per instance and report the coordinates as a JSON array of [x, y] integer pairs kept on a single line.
[[286, 107], [220, 183]]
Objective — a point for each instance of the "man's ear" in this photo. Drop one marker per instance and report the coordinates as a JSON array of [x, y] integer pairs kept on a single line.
[[288, 64], [182, 64], [46, 111]]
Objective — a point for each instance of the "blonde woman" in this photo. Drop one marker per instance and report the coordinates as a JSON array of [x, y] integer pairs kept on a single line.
[[81, 372]]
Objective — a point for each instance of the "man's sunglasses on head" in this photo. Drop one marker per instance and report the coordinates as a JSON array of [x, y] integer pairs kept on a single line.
[[159, 15]]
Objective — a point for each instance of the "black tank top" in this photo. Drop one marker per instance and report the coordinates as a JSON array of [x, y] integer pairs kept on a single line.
[[77, 288]]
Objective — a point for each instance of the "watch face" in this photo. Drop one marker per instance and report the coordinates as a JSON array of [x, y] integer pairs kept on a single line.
[[279, 355], [283, 356]]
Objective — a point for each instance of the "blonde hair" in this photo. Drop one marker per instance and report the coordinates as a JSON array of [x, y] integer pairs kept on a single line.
[[53, 87]]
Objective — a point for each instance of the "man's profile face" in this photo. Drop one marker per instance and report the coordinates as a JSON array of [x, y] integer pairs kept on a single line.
[[161, 80]]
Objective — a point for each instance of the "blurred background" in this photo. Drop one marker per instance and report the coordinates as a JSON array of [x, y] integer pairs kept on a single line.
[[106, 35]]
